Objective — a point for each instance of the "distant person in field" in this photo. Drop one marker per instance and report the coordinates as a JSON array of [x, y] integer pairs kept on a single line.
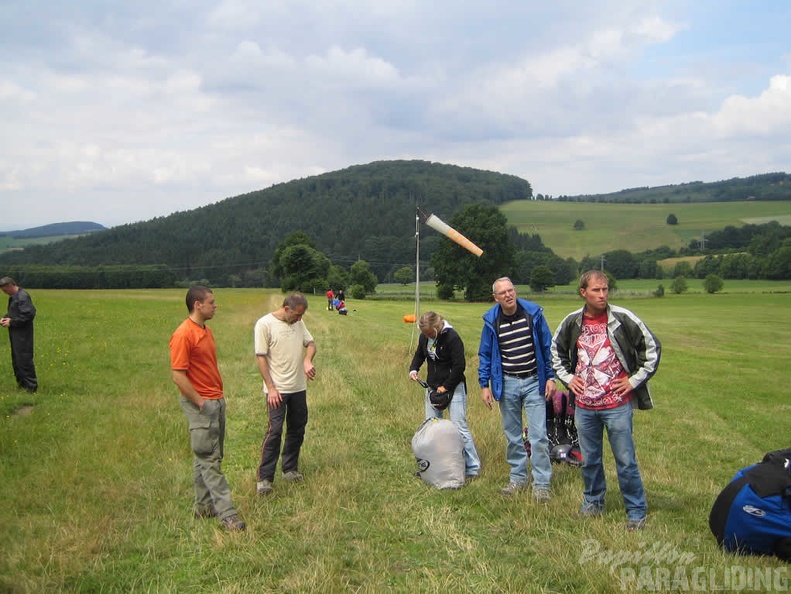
[[605, 355], [19, 321], [442, 348], [330, 300], [341, 295], [515, 369], [193, 359], [284, 350]]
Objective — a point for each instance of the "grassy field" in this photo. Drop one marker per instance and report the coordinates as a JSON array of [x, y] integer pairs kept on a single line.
[[8, 243], [625, 288], [95, 470], [633, 227]]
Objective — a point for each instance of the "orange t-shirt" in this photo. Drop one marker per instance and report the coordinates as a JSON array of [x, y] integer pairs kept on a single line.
[[192, 349]]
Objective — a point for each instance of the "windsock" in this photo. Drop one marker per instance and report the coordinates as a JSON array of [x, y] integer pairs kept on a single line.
[[436, 223]]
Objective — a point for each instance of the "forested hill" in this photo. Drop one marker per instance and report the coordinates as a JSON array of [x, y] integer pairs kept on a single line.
[[57, 229], [765, 186], [364, 211]]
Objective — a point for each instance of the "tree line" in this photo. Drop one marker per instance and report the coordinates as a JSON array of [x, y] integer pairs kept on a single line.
[[356, 228]]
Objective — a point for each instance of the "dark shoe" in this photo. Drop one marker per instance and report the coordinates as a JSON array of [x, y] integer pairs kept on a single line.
[[233, 524], [203, 512], [264, 487], [292, 476], [634, 525]]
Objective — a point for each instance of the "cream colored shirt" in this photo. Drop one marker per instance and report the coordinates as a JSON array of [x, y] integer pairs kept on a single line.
[[283, 346]]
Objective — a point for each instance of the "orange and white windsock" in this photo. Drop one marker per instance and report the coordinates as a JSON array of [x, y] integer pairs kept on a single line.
[[436, 223]]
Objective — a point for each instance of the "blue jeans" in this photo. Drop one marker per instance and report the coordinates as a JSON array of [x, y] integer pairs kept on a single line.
[[618, 422], [457, 410], [519, 394]]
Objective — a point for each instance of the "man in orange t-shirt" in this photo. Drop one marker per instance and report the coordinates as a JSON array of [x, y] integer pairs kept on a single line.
[[193, 360]]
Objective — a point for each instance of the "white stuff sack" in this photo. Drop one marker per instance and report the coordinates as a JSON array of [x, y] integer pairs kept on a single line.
[[439, 451]]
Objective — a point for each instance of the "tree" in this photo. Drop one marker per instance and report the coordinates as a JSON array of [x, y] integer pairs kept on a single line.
[[404, 275], [357, 292], [579, 225], [337, 277], [303, 269], [455, 267], [541, 278], [672, 219], [445, 292], [612, 282], [682, 268], [712, 284], [647, 269], [622, 264], [361, 275], [679, 285], [295, 238], [778, 265]]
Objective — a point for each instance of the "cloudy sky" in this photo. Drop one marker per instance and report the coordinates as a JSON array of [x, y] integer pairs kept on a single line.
[[117, 112]]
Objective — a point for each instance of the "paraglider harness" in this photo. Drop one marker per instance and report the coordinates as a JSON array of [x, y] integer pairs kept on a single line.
[[564, 443], [752, 515]]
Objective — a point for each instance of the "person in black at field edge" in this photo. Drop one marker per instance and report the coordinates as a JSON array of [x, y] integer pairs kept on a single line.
[[19, 321]]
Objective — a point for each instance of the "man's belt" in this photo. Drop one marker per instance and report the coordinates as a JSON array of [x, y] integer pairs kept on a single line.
[[523, 375]]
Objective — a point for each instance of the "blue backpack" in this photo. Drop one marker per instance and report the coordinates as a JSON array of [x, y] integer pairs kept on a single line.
[[752, 515]]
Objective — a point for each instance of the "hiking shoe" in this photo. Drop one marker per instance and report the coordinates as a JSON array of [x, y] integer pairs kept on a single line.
[[512, 488], [263, 487], [292, 476], [633, 525], [590, 510], [204, 511], [233, 523], [541, 495]]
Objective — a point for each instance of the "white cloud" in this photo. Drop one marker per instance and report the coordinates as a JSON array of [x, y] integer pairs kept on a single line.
[[141, 109], [353, 68], [769, 114]]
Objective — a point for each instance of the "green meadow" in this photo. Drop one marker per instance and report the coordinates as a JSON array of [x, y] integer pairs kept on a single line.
[[95, 470], [633, 227], [8, 243]]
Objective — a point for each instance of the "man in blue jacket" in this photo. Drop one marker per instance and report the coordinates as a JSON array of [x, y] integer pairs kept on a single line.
[[515, 369]]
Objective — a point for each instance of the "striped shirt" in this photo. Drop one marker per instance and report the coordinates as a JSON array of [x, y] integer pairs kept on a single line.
[[515, 337]]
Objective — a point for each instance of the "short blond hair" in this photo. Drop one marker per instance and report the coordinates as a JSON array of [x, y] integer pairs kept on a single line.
[[431, 319]]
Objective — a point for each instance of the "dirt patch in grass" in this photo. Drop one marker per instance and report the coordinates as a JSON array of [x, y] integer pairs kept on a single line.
[[23, 411]]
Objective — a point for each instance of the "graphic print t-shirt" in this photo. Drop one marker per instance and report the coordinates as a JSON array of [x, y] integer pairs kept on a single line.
[[598, 365]]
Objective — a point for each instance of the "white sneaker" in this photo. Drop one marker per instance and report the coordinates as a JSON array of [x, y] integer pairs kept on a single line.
[[512, 488], [264, 487]]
